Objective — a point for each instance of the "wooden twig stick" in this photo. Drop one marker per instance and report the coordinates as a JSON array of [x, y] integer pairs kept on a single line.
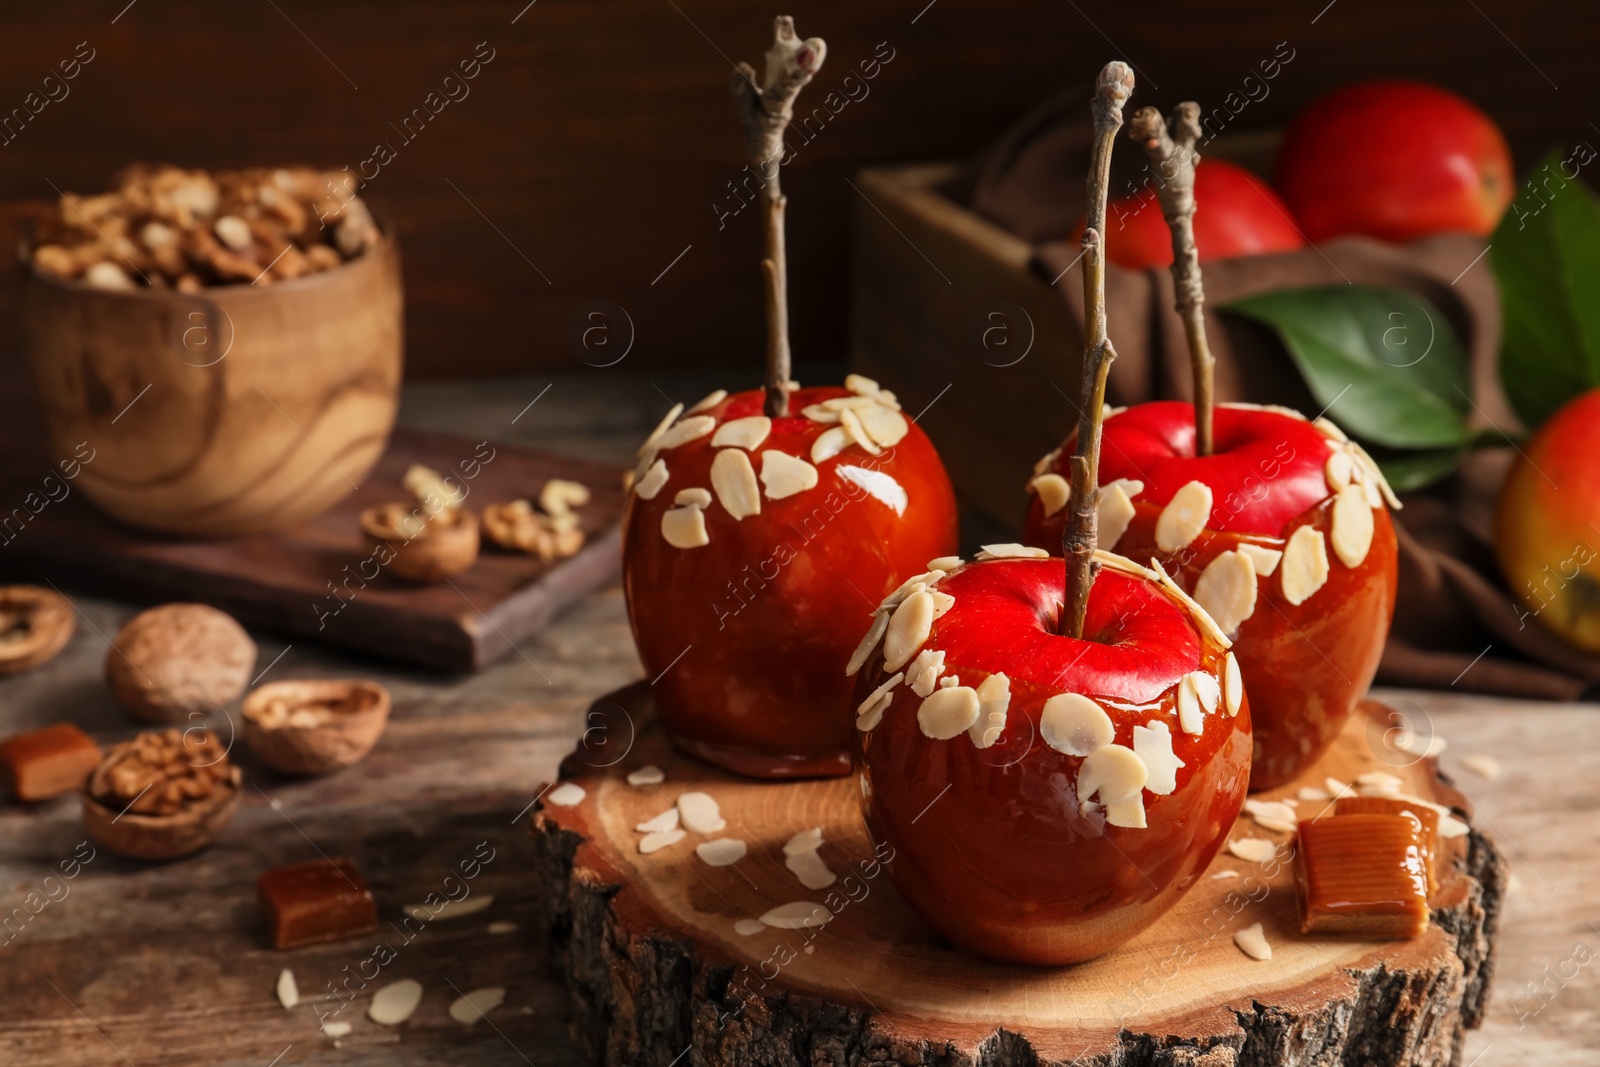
[[1079, 538], [1170, 147], [765, 110]]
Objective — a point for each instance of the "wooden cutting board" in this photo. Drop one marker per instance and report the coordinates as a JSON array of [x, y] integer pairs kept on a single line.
[[311, 582]]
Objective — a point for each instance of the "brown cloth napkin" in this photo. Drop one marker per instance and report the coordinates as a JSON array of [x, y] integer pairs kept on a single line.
[[1455, 624]]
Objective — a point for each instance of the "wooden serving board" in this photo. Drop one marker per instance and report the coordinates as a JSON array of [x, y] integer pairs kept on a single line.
[[311, 581], [655, 966]]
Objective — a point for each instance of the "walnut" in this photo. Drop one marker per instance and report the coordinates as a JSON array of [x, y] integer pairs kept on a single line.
[[313, 727], [430, 541], [35, 625], [517, 526], [179, 661], [162, 795]]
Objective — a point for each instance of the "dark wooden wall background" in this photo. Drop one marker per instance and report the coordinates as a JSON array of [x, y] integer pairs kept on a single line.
[[600, 136]]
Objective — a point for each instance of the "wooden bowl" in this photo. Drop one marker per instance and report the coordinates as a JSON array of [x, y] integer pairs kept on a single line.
[[350, 716], [237, 410]]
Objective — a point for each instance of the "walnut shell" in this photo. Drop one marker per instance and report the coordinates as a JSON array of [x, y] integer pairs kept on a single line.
[[445, 546], [179, 660], [35, 625], [194, 824], [315, 726]]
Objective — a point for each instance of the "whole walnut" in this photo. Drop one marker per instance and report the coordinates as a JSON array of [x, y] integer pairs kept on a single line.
[[178, 659]]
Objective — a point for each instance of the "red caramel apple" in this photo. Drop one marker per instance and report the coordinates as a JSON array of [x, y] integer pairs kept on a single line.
[[1048, 796], [749, 541], [1281, 534]]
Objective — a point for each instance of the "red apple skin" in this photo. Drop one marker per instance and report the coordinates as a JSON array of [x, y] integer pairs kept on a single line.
[[1394, 160], [1305, 666], [1547, 520], [1237, 214], [991, 846], [761, 689]]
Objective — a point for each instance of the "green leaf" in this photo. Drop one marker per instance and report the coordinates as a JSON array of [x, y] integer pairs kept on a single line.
[[1384, 363], [1546, 257], [1413, 470]]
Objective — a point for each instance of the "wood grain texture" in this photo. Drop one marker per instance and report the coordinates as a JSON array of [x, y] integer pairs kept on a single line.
[[655, 964]]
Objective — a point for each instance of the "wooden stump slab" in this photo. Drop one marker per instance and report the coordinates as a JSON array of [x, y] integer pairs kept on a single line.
[[660, 975]]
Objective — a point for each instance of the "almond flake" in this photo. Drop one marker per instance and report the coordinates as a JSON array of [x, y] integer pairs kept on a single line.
[[684, 527], [948, 712], [565, 795], [810, 868], [288, 990], [744, 433], [880, 485], [691, 429], [1153, 745], [695, 496], [1273, 815], [884, 425], [944, 563], [1483, 766], [1253, 942], [851, 423], [394, 1003], [800, 915], [1452, 827], [923, 674], [784, 475], [654, 478], [1113, 516], [829, 443], [336, 1030], [1312, 793], [1184, 517], [926, 580], [1131, 487], [1054, 492], [477, 1003], [1123, 565], [660, 839], [869, 641], [734, 479], [649, 774], [748, 927], [700, 813], [1190, 717], [818, 413], [1352, 528], [804, 841], [1114, 772], [909, 627], [861, 385], [1196, 612], [942, 602], [1010, 550], [1225, 874], [1073, 724], [1232, 684], [994, 698], [1207, 689], [949, 681], [1375, 475], [854, 403], [711, 401], [1305, 565], [1339, 470], [1127, 812], [1253, 849], [451, 909], [1227, 590], [870, 713], [1329, 430], [667, 820], [1263, 559], [1336, 788], [723, 852], [652, 443], [1379, 779]]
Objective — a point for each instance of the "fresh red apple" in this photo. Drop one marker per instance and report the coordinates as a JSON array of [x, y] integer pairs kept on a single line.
[[1237, 214], [1548, 524], [1281, 534], [1394, 160], [1047, 796], [749, 540]]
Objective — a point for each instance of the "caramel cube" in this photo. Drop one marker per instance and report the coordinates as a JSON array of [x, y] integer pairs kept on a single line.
[[317, 901], [1363, 875], [44, 763], [1395, 806]]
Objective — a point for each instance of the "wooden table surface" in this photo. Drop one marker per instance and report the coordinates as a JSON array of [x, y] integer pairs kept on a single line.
[[165, 964]]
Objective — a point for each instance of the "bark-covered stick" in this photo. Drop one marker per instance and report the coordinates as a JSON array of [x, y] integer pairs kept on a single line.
[[1079, 538], [765, 109], [1170, 147]]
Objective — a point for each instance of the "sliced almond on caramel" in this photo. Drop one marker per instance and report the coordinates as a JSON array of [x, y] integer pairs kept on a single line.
[[1329, 430], [1190, 718], [851, 424], [654, 478], [710, 401], [1265, 560], [690, 429], [653, 442], [884, 425], [1206, 689], [1305, 565], [942, 602], [948, 712], [685, 527], [1075, 725], [870, 712], [909, 627], [734, 479], [1201, 617], [1339, 470], [829, 443], [1352, 526], [1232, 684], [694, 496], [1010, 550], [1184, 517], [1114, 772], [923, 674], [994, 698], [861, 385], [744, 433], [1114, 515], [1227, 590], [869, 641], [818, 413], [783, 475], [1153, 745], [944, 563], [1054, 492]]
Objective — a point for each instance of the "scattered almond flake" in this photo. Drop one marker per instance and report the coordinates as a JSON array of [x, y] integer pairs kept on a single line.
[[468, 1009], [723, 852], [1227, 590], [1339, 470], [1073, 724], [1352, 526], [394, 1003], [994, 698], [1412, 744], [653, 480], [869, 641], [1131, 487], [1232, 684], [944, 563], [950, 681], [288, 990], [810, 868], [1374, 495], [884, 425], [734, 480], [804, 841], [909, 627], [336, 1029], [1265, 560], [1225, 873], [870, 713], [1273, 815], [1483, 766], [1305, 565], [1375, 475], [1113, 515], [451, 909], [923, 674], [1336, 788], [1207, 689], [1329, 430], [692, 428], [1381, 779], [1113, 772], [1253, 849], [1011, 551], [1253, 942], [649, 774], [695, 496], [1409, 799], [710, 401], [926, 580], [653, 442], [850, 422], [746, 433], [880, 485], [799, 915], [1153, 745], [1379, 789], [948, 712], [667, 820], [942, 602], [1123, 565], [566, 795], [1291, 801], [498, 928], [818, 413], [748, 927], [1126, 812], [1184, 517], [684, 527], [861, 385], [655, 842], [1190, 717], [829, 443], [1450, 827], [854, 403], [1053, 492], [1196, 612], [1513, 883], [783, 475], [700, 813]]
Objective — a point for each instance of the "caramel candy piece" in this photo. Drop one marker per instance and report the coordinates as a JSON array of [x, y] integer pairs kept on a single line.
[[44, 763], [1363, 875], [320, 900], [1393, 806]]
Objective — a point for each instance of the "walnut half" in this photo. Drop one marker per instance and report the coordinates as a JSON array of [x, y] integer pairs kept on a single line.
[[35, 625], [162, 795]]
